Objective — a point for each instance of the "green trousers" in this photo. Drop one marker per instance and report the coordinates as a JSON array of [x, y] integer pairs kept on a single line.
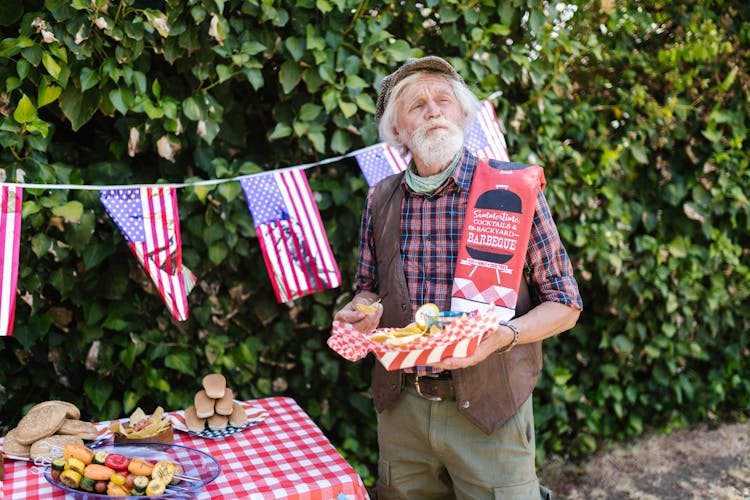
[[428, 450]]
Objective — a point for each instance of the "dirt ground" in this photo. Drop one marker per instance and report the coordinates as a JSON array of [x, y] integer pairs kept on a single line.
[[701, 463]]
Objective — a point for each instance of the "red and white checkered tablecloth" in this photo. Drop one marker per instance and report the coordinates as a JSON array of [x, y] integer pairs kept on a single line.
[[284, 456]]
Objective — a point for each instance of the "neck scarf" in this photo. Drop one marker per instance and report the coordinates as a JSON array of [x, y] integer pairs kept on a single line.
[[429, 184]]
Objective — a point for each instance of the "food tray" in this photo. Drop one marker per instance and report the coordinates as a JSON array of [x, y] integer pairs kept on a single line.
[[458, 339]]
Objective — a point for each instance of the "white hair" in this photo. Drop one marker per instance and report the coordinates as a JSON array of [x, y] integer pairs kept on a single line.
[[388, 122]]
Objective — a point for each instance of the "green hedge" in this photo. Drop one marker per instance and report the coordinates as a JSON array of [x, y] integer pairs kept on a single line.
[[636, 111]]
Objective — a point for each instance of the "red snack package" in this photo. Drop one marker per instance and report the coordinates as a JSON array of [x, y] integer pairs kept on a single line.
[[495, 237]]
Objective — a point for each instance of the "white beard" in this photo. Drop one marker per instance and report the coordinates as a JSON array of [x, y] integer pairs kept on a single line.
[[437, 149]]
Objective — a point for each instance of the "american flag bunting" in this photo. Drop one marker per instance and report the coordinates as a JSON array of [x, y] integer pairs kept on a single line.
[[10, 233], [379, 161], [149, 220], [295, 247], [485, 139]]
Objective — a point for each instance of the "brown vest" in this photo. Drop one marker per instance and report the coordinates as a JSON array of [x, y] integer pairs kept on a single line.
[[488, 393]]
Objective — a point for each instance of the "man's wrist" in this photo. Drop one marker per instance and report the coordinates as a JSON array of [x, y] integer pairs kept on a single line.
[[516, 335]]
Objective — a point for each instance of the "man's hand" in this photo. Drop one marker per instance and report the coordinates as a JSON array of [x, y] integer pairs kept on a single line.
[[362, 321], [484, 349], [500, 337]]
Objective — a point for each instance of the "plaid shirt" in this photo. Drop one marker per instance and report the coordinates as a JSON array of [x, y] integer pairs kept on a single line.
[[431, 228]]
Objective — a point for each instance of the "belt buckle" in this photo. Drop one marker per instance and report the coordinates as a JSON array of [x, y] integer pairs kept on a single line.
[[419, 391]]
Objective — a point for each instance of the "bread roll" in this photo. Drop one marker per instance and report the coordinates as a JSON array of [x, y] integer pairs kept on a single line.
[[238, 418], [40, 422], [193, 421], [71, 410], [224, 404], [215, 385], [217, 422], [52, 446], [204, 405], [12, 447], [85, 430]]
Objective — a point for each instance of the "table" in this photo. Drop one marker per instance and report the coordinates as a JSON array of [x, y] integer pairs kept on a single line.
[[284, 456]]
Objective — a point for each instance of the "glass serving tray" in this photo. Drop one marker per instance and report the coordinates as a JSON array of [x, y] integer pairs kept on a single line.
[[199, 469]]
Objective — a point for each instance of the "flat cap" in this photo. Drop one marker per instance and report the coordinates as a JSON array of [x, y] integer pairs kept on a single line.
[[430, 63]]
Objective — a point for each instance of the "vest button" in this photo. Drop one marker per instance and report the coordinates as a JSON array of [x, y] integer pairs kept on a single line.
[[465, 404], [403, 307], [394, 387]]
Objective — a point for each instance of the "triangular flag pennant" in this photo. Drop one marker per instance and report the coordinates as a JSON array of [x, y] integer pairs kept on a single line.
[[10, 235], [379, 161], [484, 139], [149, 220], [292, 238]]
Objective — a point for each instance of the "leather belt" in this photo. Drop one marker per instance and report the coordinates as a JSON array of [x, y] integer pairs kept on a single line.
[[433, 387]]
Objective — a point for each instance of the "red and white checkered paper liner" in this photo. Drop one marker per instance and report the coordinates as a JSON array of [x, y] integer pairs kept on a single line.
[[458, 339]]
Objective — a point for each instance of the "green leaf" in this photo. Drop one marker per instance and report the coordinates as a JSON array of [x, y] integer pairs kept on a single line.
[[193, 109], [210, 130], [356, 82], [41, 244], [48, 92], [97, 390], [122, 99], [127, 358], [78, 108], [25, 111], [182, 361], [296, 47], [318, 140], [94, 254], [365, 103], [309, 112], [399, 50], [622, 345], [323, 6], [217, 252], [561, 376], [88, 78], [229, 190], [152, 111], [252, 47], [10, 47], [115, 323], [678, 247], [71, 211], [340, 142], [130, 399], [51, 65], [254, 77], [201, 192], [280, 131], [79, 235], [289, 76], [224, 72], [62, 280], [42, 128], [33, 55], [349, 109]]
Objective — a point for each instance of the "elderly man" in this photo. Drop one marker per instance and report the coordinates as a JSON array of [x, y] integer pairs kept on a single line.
[[464, 427]]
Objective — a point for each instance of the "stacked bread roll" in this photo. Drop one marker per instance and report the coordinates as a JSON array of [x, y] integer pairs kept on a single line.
[[45, 430], [214, 407]]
